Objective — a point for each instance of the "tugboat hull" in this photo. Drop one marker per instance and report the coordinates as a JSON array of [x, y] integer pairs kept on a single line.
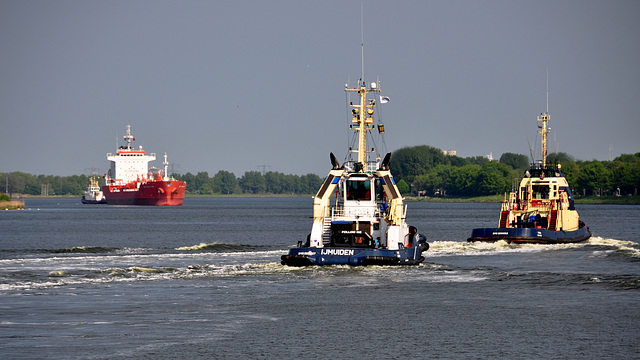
[[307, 256], [85, 201], [529, 235]]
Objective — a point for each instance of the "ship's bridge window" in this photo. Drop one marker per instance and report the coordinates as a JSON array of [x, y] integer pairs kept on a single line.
[[540, 191], [359, 189], [379, 190]]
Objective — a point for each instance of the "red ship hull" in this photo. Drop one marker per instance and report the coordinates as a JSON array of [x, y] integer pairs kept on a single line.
[[152, 193]]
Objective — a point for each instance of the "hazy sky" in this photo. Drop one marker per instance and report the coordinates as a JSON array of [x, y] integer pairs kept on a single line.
[[237, 85]]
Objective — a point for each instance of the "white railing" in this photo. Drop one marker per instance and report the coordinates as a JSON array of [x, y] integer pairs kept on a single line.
[[368, 211]]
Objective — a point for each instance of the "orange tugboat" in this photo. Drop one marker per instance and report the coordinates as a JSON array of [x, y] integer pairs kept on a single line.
[[541, 210], [129, 181]]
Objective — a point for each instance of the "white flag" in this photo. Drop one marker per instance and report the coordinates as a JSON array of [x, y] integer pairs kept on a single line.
[[384, 99]]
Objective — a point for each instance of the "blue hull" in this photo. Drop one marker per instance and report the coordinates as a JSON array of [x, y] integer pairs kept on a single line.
[[529, 235], [104, 201], [307, 256]]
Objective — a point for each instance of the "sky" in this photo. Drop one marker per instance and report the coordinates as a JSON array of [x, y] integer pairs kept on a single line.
[[248, 85]]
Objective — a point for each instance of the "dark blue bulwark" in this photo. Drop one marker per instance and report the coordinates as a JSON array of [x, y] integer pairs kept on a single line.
[[342, 222], [529, 235], [305, 256]]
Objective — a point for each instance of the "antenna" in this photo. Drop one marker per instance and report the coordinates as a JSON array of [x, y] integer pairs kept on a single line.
[[547, 90], [531, 157], [362, 37]]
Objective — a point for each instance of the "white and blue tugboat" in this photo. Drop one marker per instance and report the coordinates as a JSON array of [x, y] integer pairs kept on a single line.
[[358, 213], [93, 194], [541, 210]]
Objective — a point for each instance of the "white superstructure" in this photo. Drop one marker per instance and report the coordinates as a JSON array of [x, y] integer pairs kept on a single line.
[[129, 165]]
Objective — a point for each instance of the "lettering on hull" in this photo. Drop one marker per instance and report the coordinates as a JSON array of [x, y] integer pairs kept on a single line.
[[344, 252]]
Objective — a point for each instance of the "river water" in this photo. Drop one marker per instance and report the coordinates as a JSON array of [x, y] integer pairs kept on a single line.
[[204, 281]]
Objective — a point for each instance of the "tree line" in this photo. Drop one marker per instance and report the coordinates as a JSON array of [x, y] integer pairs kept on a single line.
[[418, 170], [223, 182], [425, 170], [252, 182]]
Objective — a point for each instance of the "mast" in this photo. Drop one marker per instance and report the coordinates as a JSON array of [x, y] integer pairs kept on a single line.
[[128, 137], [363, 112], [543, 130], [363, 118], [362, 38], [166, 167]]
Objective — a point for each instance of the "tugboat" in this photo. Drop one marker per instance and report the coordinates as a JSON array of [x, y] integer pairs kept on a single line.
[[129, 181], [365, 223], [93, 194], [542, 210]]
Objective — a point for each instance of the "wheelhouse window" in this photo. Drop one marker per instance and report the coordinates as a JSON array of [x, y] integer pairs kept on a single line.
[[540, 191], [379, 191], [358, 190]]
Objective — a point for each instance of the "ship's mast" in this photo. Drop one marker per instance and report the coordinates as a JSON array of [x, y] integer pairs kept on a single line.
[[363, 112], [363, 119], [128, 137], [166, 167], [543, 130]]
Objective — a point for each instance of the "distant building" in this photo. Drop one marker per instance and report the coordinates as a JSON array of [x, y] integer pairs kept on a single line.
[[449, 152]]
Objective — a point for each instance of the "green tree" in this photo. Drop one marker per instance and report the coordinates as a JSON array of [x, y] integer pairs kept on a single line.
[[205, 189], [570, 171], [493, 178], [274, 182], [515, 161], [224, 182], [202, 183], [403, 187], [477, 160], [626, 177], [560, 158], [628, 158], [463, 180], [252, 182], [593, 177], [310, 184], [409, 162], [434, 181]]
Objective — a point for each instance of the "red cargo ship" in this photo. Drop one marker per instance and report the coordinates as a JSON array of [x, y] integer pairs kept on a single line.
[[129, 181]]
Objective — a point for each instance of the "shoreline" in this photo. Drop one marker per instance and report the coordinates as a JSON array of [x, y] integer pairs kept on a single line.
[[602, 200], [496, 199], [12, 205]]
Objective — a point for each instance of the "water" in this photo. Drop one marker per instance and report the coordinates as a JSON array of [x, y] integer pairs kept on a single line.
[[204, 281]]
